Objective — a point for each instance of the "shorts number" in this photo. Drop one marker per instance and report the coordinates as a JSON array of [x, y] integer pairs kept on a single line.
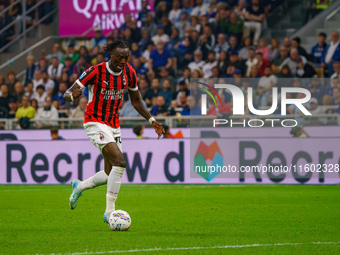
[[118, 139]]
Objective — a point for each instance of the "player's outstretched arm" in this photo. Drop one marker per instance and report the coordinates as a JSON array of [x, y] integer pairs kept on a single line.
[[73, 93], [137, 103]]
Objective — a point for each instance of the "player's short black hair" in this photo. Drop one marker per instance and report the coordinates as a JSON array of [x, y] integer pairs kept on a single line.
[[54, 130], [137, 129], [116, 44]]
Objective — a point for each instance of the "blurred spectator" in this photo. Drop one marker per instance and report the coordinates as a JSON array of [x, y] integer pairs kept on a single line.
[[29, 90], [29, 74], [263, 48], [277, 63], [56, 52], [287, 42], [207, 41], [245, 48], [254, 72], [161, 10], [2, 79], [222, 60], [284, 73], [143, 42], [332, 53], [153, 91], [81, 66], [34, 104], [233, 44], [235, 61], [165, 75], [195, 25], [336, 97], [25, 111], [254, 17], [160, 108], [190, 107], [316, 89], [165, 22], [55, 69], [304, 70], [37, 79], [274, 49], [318, 50], [182, 24], [166, 92], [336, 74], [71, 53], [209, 65], [221, 20], [138, 130], [18, 91], [85, 53], [160, 35], [128, 110], [143, 12], [211, 12], [60, 95], [126, 35], [221, 44], [143, 87], [252, 60], [46, 115], [11, 76], [182, 99], [296, 45], [68, 66], [150, 24], [42, 65], [235, 26], [135, 51], [199, 9], [13, 106], [48, 83], [314, 107], [55, 134], [99, 39], [186, 6], [5, 97], [79, 111], [160, 57], [264, 88], [40, 95], [293, 60]]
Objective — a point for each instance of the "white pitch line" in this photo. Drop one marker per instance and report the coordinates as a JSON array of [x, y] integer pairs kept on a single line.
[[194, 248]]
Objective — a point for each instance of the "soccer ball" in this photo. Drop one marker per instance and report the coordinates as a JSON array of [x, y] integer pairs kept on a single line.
[[119, 221]]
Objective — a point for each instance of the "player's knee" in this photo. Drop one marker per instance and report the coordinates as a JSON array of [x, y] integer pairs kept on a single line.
[[121, 163]]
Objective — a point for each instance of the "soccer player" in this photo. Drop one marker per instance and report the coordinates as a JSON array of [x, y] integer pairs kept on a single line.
[[107, 82]]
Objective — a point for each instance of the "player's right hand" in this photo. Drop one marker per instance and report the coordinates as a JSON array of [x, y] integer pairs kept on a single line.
[[77, 93]]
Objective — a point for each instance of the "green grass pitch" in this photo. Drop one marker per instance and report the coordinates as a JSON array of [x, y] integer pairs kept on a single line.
[[173, 219]]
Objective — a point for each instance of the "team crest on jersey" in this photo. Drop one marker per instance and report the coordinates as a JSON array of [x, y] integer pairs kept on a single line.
[[124, 81], [101, 137]]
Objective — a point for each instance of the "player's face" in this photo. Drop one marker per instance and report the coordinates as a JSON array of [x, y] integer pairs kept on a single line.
[[119, 58]]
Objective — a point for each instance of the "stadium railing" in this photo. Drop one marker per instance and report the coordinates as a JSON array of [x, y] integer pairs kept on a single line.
[[187, 121], [23, 33]]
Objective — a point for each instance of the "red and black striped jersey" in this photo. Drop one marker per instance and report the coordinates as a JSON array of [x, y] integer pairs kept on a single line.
[[106, 89]]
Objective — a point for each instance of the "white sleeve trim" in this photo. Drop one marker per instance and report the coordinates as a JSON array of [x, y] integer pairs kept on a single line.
[[133, 89], [80, 84]]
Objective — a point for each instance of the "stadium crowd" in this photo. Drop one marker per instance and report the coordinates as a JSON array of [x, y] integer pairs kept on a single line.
[[178, 41]]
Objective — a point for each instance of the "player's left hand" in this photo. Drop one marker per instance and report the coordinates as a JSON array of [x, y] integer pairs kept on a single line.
[[158, 128]]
